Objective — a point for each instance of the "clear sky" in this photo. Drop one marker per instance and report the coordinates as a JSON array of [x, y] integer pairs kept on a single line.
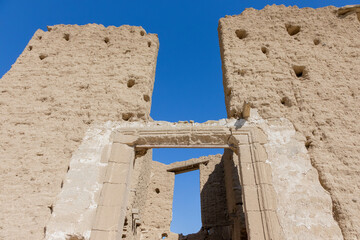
[[188, 82]]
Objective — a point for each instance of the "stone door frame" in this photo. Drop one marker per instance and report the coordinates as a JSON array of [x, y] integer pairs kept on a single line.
[[259, 197]]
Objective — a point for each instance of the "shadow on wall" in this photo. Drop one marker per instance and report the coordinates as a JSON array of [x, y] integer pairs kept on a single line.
[[221, 214]]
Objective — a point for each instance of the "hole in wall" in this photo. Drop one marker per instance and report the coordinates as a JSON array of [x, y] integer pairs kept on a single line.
[[43, 56], [106, 40], [286, 102], [316, 41], [49, 28], [51, 207], [39, 37], [146, 98], [68, 168], [142, 33], [235, 113], [88, 121], [228, 92], [140, 152], [292, 29], [66, 36], [241, 33], [157, 190], [242, 72], [62, 184], [140, 116], [149, 44], [264, 50], [164, 236], [308, 142], [30, 48], [299, 71], [130, 83], [127, 116], [74, 237]]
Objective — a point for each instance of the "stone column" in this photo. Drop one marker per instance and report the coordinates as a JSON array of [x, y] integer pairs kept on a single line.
[[111, 210], [258, 194]]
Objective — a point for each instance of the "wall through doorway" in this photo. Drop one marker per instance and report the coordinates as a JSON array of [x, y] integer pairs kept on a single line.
[[186, 211]]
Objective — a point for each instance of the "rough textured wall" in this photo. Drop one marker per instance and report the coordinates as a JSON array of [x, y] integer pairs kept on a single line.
[[66, 79], [234, 199], [213, 197], [304, 207], [140, 182], [214, 212], [156, 218], [303, 64]]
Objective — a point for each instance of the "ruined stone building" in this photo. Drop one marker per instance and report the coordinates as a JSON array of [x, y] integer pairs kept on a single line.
[[76, 133]]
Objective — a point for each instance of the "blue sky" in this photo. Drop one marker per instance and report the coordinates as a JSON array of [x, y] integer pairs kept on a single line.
[[188, 83]]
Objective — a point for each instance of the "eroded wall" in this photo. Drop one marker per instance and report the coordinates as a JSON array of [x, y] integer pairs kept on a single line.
[[303, 65], [157, 213], [234, 198], [66, 79], [136, 207], [214, 211], [157, 182]]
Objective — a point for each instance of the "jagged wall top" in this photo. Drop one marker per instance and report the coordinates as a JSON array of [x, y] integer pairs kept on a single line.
[[303, 64], [66, 79]]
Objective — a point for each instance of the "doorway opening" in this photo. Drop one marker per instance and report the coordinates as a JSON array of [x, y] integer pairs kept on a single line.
[[186, 203], [186, 211]]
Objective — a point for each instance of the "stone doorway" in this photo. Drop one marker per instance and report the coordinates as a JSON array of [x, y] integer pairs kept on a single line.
[[115, 166], [256, 197]]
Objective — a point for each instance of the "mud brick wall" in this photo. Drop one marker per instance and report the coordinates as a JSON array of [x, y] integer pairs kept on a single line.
[[66, 79], [304, 65]]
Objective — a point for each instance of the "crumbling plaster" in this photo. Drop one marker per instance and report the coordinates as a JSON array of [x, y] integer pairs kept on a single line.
[[292, 175], [303, 64], [66, 80]]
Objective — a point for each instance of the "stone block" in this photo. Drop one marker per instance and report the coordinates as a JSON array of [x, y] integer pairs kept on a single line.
[[135, 211], [251, 198], [113, 194], [105, 155], [245, 154], [260, 152], [121, 153], [259, 136], [125, 139], [268, 197], [255, 228], [242, 138], [107, 218], [246, 110], [117, 173], [102, 173], [274, 228], [247, 174], [103, 235], [263, 173]]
